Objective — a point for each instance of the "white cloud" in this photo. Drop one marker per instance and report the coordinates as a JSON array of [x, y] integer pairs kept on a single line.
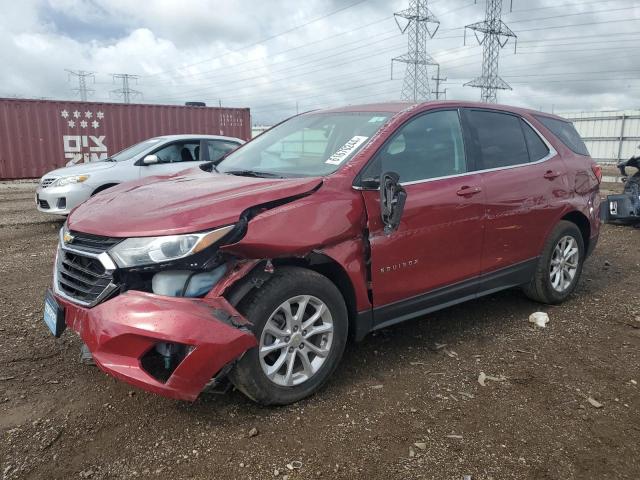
[[194, 50]]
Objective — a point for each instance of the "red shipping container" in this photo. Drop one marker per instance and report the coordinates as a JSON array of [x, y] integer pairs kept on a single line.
[[40, 135]]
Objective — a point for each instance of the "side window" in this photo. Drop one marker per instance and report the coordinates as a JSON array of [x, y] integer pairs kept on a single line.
[[179, 152], [429, 146], [567, 134], [537, 148], [217, 148], [499, 139]]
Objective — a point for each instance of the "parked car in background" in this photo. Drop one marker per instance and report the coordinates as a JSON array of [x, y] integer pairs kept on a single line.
[[330, 225], [61, 190]]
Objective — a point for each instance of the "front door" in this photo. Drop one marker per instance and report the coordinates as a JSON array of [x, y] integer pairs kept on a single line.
[[439, 241], [174, 157]]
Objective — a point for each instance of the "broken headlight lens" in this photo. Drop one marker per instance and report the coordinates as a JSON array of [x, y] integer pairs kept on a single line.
[[138, 251]]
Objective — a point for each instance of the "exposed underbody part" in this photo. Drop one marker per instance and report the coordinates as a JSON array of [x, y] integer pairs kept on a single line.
[[625, 208]]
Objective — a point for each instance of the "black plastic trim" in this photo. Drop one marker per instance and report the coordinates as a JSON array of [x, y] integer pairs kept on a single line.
[[486, 284]]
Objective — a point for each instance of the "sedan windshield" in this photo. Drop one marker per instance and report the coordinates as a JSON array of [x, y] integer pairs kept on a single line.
[[133, 150], [313, 144]]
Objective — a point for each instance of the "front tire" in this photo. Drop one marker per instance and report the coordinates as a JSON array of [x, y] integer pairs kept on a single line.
[[300, 321], [559, 268]]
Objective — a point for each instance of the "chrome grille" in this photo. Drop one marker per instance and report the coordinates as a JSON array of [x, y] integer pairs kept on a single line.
[[81, 278], [84, 271], [92, 243], [47, 181]]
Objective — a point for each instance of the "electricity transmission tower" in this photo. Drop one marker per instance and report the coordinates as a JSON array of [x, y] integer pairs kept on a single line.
[[82, 76], [438, 79], [126, 92], [416, 78], [493, 34]]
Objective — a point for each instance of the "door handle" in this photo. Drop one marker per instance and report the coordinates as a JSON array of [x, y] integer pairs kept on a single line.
[[467, 191], [550, 174]]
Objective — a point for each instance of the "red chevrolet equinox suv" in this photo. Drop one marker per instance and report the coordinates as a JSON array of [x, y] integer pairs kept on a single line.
[[256, 269]]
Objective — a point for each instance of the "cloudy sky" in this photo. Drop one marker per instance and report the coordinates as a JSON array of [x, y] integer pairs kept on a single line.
[[276, 57]]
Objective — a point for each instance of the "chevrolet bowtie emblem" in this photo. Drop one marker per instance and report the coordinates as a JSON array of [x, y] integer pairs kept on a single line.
[[67, 237]]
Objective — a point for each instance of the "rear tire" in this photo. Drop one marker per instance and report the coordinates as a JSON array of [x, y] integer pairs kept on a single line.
[[559, 267], [276, 372]]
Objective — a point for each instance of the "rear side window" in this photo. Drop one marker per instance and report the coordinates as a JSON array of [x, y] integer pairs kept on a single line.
[[566, 133], [499, 139], [537, 148], [218, 148]]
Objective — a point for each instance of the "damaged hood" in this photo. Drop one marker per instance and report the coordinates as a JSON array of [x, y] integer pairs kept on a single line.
[[190, 201]]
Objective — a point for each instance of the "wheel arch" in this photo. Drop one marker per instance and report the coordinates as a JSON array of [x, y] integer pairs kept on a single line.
[[331, 269], [582, 222], [101, 188], [315, 261]]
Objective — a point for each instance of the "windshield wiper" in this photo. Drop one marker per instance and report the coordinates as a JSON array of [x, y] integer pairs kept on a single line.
[[110, 159], [253, 173]]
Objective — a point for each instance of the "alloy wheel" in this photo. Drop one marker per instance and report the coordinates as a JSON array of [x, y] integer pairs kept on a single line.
[[564, 263], [296, 340]]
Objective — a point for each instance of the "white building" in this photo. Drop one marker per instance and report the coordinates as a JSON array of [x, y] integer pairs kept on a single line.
[[609, 136]]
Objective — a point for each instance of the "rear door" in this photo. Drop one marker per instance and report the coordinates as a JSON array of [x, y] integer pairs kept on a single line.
[[523, 177], [216, 149], [439, 240]]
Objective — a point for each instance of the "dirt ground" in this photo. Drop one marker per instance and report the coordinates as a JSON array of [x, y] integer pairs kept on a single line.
[[401, 405]]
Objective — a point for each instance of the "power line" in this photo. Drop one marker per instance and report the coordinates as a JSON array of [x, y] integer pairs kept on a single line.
[[287, 73], [572, 25], [289, 60], [587, 12], [365, 40], [82, 76], [126, 92], [289, 76], [599, 35], [496, 34], [297, 27]]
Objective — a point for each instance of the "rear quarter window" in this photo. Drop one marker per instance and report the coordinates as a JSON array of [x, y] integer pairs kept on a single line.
[[537, 148], [566, 133]]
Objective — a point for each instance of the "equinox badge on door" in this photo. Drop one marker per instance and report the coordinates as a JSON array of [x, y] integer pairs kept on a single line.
[[399, 266]]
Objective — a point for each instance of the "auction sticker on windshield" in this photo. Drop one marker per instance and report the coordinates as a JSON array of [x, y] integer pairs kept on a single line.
[[346, 150]]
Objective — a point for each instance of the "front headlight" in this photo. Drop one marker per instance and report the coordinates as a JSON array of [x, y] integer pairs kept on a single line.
[[137, 251], [62, 181]]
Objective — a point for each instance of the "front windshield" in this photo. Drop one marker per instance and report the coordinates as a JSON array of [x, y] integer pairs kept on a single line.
[[133, 150], [314, 144]]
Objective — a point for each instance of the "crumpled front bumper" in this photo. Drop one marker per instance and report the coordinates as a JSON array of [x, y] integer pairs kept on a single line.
[[120, 331]]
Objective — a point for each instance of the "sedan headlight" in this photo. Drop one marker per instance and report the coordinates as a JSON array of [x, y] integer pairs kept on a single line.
[[61, 182], [134, 252]]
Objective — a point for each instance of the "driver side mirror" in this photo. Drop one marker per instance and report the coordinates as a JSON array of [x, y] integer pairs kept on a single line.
[[150, 160], [392, 200]]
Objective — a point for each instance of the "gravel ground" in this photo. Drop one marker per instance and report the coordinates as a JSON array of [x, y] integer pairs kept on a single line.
[[406, 403]]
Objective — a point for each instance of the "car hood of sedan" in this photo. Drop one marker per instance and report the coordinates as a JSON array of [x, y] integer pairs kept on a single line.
[[81, 169], [190, 201]]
